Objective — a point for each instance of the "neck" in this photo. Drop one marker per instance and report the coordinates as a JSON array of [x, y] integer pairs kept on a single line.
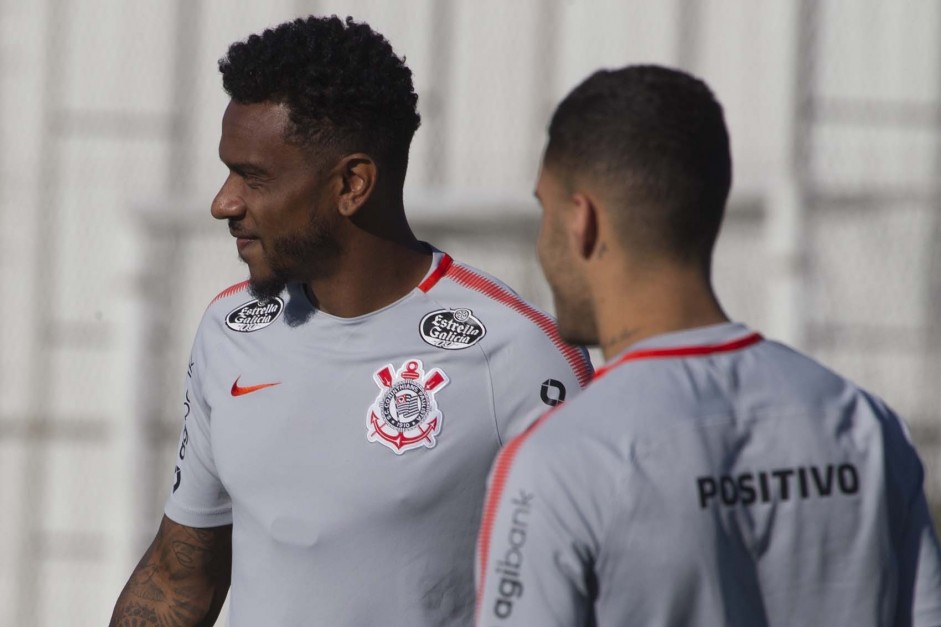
[[381, 262], [657, 301]]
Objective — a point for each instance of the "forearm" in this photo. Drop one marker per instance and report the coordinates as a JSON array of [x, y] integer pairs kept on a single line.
[[143, 604], [181, 581]]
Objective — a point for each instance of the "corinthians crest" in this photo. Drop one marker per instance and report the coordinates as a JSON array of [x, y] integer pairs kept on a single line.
[[405, 415]]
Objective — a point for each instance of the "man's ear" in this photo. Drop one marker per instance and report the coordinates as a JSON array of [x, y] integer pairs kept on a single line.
[[584, 225], [358, 175]]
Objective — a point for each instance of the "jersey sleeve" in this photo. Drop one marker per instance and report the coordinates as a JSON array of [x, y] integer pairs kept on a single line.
[[533, 373], [537, 545], [923, 558], [197, 496], [917, 549]]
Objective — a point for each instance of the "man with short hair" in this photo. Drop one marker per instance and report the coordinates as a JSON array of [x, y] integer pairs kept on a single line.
[[707, 476], [342, 406]]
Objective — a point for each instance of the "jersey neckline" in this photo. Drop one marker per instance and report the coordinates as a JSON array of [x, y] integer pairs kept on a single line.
[[439, 267], [660, 347], [440, 262]]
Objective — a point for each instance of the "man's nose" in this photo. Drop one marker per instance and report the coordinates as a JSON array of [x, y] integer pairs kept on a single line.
[[227, 204]]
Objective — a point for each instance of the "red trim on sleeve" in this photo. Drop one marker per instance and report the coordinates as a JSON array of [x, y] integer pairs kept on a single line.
[[229, 291], [501, 471], [682, 351], [437, 273], [470, 279]]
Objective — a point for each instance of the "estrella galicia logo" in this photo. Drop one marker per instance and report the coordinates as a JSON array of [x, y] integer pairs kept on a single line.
[[254, 315], [451, 329], [552, 392]]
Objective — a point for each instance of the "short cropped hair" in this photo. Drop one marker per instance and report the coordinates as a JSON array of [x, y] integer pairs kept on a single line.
[[345, 88], [655, 139]]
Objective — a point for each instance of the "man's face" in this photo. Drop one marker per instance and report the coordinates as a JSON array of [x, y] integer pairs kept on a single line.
[[277, 201], [557, 249]]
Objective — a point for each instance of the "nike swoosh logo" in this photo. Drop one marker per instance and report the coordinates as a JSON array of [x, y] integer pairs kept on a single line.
[[237, 390]]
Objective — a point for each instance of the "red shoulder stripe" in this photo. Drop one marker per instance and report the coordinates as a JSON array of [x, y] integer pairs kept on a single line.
[[501, 471], [229, 291], [682, 351], [470, 279]]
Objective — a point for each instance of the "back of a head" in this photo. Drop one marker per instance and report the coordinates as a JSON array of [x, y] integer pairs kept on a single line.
[[653, 140], [345, 88]]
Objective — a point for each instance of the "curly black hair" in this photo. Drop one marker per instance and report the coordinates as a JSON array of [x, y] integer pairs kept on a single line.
[[344, 86]]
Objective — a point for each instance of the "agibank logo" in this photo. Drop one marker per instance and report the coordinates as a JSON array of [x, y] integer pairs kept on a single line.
[[452, 329], [405, 415], [254, 315], [509, 568]]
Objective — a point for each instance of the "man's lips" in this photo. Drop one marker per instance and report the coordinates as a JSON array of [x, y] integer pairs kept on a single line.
[[242, 239]]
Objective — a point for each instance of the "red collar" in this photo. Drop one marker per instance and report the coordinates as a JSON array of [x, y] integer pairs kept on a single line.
[[681, 351], [435, 275]]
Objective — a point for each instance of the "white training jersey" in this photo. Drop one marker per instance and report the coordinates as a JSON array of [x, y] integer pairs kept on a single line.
[[350, 454], [710, 477]]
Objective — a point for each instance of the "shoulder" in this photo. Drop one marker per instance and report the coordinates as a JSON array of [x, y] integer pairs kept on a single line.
[[506, 317], [564, 451], [597, 416], [228, 298], [798, 376], [238, 310], [230, 292], [797, 367], [461, 283]]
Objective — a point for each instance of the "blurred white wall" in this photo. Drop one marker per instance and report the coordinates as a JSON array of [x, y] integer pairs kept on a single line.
[[109, 121]]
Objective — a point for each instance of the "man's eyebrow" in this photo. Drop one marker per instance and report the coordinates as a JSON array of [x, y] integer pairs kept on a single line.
[[244, 168]]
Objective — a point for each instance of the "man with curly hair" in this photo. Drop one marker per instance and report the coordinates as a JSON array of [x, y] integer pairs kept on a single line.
[[344, 404]]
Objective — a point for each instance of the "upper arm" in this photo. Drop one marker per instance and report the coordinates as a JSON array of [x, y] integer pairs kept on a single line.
[[197, 495], [917, 550], [925, 559], [535, 554], [532, 373]]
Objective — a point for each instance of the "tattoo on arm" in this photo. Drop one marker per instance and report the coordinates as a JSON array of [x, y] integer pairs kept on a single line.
[[145, 587], [136, 615], [181, 581]]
